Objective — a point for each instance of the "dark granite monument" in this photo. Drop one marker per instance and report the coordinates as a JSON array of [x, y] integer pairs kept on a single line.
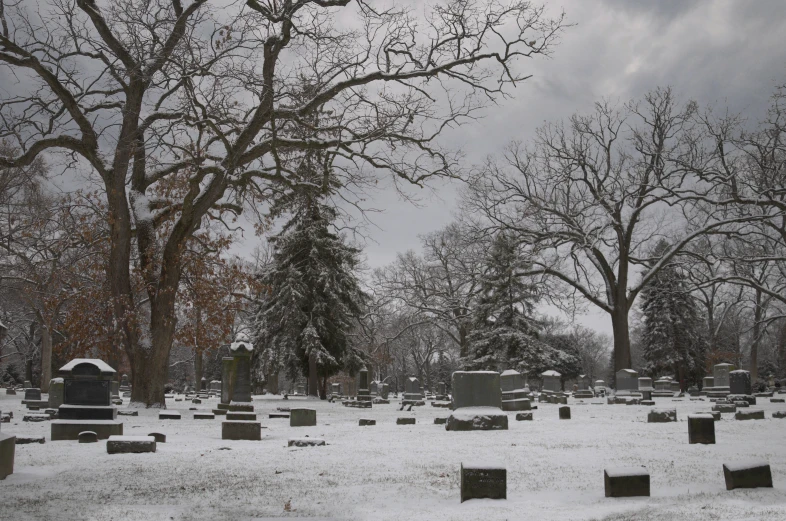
[[483, 481]]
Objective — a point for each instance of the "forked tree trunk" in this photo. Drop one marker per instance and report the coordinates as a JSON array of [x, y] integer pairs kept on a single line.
[[149, 372]]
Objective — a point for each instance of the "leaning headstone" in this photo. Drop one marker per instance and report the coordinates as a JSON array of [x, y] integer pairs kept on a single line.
[[747, 475], [740, 382], [626, 482], [701, 428], [477, 402], [302, 418], [56, 392], [86, 401], [483, 481]]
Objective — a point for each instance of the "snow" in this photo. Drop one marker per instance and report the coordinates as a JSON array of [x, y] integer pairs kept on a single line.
[[386, 473], [746, 464], [550, 373], [102, 366], [132, 439], [467, 413], [623, 472], [703, 416], [481, 465], [509, 372]]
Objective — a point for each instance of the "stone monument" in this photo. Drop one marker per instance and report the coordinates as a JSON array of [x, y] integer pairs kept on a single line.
[[583, 391], [477, 402], [663, 388], [412, 392], [86, 401], [56, 392], [740, 382], [514, 397], [364, 390], [627, 382], [240, 423]]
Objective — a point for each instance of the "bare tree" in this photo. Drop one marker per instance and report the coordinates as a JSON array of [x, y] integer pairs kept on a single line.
[[152, 93]]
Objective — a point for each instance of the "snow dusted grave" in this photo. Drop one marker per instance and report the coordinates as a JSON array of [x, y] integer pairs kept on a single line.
[[389, 472]]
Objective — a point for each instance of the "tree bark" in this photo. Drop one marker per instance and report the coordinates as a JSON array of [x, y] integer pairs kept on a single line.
[[619, 324], [313, 380], [46, 358], [198, 368], [754, 361]]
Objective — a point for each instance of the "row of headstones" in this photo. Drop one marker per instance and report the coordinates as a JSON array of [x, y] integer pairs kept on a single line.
[[483, 481]]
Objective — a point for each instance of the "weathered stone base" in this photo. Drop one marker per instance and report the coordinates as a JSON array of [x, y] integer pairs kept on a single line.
[[662, 416], [405, 421], [724, 407], [360, 405], [365, 422], [7, 452], [483, 482], [241, 416], [701, 429], [130, 444], [747, 475], [524, 416], [519, 404], [239, 407], [70, 429], [749, 415], [477, 420], [303, 418], [241, 430]]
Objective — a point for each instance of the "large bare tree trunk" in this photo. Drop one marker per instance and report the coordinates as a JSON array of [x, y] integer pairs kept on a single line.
[[46, 358], [757, 333], [313, 380], [619, 324]]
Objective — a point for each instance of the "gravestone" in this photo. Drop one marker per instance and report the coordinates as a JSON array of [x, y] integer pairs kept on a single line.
[[241, 430], [564, 413], [303, 418], [412, 392], [721, 374], [56, 392], [374, 388], [441, 391], [7, 453], [385, 391], [227, 378], [241, 421], [627, 381], [626, 482], [477, 402], [514, 397], [335, 389], [707, 382], [203, 384], [88, 437], [645, 387], [583, 390], [28, 384], [301, 389], [124, 385], [364, 391], [130, 444], [747, 475], [241, 350], [663, 388], [701, 428], [740, 382], [33, 394], [114, 388], [483, 481], [600, 387], [215, 386], [552, 381], [662, 416], [86, 401]]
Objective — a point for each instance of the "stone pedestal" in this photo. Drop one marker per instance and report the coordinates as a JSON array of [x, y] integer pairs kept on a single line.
[[747, 475], [626, 482], [483, 481]]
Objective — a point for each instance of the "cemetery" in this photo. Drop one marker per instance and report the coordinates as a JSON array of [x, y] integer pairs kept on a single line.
[[392, 260]]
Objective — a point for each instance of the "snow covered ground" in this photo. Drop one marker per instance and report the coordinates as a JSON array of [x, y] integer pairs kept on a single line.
[[396, 472]]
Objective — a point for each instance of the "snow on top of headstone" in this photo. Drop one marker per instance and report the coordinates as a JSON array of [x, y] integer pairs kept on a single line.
[[483, 464], [550, 373], [662, 411], [627, 371], [241, 340], [619, 472], [102, 366], [746, 464], [703, 415], [476, 372], [131, 438], [509, 372], [739, 371], [467, 413]]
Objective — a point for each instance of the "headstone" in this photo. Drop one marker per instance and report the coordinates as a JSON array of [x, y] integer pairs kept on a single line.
[[627, 381], [701, 428], [27, 384], [747, 475], [130, 444], [203, 384], [524, 416], [740, 382], [305, 442], [564, 413], [626, 482], [86, 401], [33, 393], [374, 388], [724, 407], [721, 374], [241, 350], [477, 402], [552, 381], [364, 393], [56, 392], [405, 421], [241, 430], [412, 392], [385, 391], [749, 415], [160, 438], [335, 389], [7, 453], [88, 437], [302, 418], [514, 397], [227, 378], [364, 422], [662, 416], [483, 481], [707, 381]]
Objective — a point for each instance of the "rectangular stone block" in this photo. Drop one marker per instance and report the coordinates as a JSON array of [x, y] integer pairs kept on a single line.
[[524, 416], [70, 429], [564, 413], [241, 430], [740, 382], [7, 453], [751, 474], [130, 444], [626, 482], [168, 415], [724, 407], [749, 415], [662, 416], [701, 428], [483, 481], [241, 416], [476, 389], [302, 418], [477, 419], [204, 416], [56, 392], [86, 412], [365, 422], [405, 421]]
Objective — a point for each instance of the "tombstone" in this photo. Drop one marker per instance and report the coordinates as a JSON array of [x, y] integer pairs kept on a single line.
[[405, 421], [749, 415], [552, 381], [740, 382], [385, 392], [130, 444], [707, 382], [160, 438], [27, 384], [626, 482], [88, 437], [747, 475], [56, 392], [564, 413], [412, 392], [33, 394], [662, 416], [627, 381], [701, 428], [645, 387], [86, 401], [7, 453], [483, 481], [477, 402], [335, 389], [227, 378], [441, 391], [364, 392], [124, 385], [241, 350], [721, 374], [302, 418], [514, 397], [365, 422], [583, 389], [663, 388], [215, 386], [241, 430], [600, 387]]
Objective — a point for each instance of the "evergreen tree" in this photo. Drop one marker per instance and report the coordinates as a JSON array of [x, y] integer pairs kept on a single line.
[[312, 298], [672, 339], [504, 334]]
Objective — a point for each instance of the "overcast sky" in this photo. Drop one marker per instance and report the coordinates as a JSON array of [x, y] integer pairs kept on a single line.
[[726, 52]]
